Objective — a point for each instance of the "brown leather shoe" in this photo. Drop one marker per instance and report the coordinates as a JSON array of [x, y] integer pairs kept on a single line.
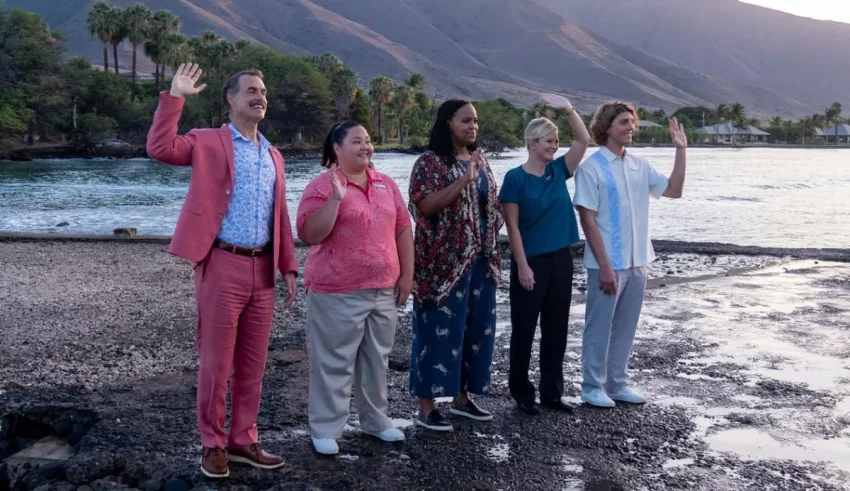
[[254, 455], [214, 463]]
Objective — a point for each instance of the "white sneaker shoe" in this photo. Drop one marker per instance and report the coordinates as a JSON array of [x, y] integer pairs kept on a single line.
[[326, 446], [597, 397], [389, 435], [626, 394]]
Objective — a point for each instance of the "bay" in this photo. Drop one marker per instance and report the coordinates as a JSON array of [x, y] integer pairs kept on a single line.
[[767, 197]]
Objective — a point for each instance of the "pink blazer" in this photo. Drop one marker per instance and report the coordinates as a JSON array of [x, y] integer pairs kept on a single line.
[[210, 153]]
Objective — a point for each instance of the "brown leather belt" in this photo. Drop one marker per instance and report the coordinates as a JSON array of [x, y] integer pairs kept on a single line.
[[242, 251]]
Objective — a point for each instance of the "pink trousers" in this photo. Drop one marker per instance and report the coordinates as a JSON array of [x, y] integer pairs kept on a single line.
[[235, 300]]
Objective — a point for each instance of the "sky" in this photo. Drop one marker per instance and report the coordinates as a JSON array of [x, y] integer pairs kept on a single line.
[[837, 10]]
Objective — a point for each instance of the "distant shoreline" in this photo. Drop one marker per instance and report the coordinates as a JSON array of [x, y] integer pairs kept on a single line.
[[67, 151]]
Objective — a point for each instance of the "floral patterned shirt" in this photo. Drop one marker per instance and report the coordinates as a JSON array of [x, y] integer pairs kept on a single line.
[[248, 221], [448, 243]]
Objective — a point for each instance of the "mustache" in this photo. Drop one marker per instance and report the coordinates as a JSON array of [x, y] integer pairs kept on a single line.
[[254, 103]]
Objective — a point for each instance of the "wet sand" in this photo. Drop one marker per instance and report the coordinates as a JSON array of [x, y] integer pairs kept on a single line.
[[743, 356]]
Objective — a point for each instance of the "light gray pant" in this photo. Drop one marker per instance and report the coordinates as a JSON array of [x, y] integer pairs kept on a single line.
[[610, 322], [349, 338]]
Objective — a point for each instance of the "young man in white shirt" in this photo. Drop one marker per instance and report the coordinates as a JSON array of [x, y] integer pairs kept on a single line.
[[612, 198]]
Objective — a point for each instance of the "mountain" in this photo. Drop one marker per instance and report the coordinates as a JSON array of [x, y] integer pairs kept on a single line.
[[474, 48], [804, 58]]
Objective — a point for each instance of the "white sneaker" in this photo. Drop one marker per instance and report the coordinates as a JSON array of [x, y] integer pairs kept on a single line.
[[597, 397], [626, 394], [326, 446], [389, 435]]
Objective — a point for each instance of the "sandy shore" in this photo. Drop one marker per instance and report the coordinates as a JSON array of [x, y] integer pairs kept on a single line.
[[742, 352]]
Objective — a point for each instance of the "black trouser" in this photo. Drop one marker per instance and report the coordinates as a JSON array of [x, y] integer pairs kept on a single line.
[[550, 301]]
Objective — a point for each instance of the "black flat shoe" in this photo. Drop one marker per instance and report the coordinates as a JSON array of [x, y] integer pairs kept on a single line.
[[528, 408], [557, 404]]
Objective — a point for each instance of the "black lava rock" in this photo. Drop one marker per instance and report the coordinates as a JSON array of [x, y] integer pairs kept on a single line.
[[23, 443], [7, 448], [35, 481], [6, 427], [4, 477], [175, 484], [63, 428], [151, 485], [77, 434]]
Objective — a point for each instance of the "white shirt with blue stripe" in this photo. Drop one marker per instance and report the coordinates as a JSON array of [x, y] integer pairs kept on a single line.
[[618, 190], [248, 221]]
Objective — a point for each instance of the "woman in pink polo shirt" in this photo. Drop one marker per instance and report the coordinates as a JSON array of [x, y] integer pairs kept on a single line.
[[359, 270]]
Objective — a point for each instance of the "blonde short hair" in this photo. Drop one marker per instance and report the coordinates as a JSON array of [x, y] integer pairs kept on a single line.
[[538, 128]]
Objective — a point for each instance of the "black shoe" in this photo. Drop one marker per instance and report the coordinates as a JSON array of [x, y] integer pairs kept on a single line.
[[471, 411], [557, 404], [528, 407], [434, 421]]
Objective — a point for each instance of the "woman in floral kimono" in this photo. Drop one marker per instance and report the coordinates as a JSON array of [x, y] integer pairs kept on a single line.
[[454, 201]]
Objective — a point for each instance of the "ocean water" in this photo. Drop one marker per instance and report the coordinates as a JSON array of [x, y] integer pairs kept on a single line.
[[753, 196]]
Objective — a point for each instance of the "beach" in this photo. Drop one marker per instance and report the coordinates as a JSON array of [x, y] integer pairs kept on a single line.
[[742, 353]]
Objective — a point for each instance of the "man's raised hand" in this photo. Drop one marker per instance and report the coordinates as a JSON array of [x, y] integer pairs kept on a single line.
[[184, 80], [677, 134]]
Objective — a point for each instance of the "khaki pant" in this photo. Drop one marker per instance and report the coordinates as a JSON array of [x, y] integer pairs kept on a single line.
[[349, 338]]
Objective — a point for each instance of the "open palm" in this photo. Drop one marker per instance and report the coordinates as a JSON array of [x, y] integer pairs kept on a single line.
[[677, 134], [338, 188], [185, 79]]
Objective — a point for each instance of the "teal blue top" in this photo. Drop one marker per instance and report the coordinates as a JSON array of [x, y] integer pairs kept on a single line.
[[547, 222]]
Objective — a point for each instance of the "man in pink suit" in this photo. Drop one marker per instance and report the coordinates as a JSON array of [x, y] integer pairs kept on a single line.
[[234, 226]]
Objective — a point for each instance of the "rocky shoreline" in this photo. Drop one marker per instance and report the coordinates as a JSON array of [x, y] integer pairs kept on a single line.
[[97, 380]]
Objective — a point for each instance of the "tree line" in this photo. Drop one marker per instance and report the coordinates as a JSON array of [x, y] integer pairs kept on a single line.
[[46, 99]]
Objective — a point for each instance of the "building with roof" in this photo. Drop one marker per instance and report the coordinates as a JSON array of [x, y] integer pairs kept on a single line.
[[839, 132], [647, 124], [728, 133]]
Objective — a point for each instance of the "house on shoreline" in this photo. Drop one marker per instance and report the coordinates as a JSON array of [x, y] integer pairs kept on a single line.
[[840, 132], [647, 124], [728, 133]]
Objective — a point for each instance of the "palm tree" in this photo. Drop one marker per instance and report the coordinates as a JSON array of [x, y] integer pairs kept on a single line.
[[99, 26], [833, 117], [788, 126], [203, 49], [381, 92], [416, 81], [403, 100], [808, 126], [343, 81], [722, 113], [162, 23], [738, 117], [118, 32], [175, 50], [137, 19], [212, 52], [776, 125]]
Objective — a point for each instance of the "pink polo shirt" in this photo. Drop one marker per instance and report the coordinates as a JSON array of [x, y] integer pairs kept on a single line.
[[360, 252]]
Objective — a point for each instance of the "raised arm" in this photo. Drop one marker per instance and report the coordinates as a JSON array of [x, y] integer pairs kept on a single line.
[[434, 202], [581, 140], [676, 187], [163, 143], [316, 226]]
